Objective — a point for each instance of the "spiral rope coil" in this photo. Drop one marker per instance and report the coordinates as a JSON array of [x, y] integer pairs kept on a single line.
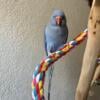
[[40, 69]]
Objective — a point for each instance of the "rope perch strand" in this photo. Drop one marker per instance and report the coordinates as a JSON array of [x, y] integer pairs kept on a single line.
[[39, 73]]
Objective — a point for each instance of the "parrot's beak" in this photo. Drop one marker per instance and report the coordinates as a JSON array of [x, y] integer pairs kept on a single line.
[[59, 20]]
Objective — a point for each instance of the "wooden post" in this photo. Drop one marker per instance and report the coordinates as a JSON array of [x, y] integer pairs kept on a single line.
[[92, 51], [96, 77]]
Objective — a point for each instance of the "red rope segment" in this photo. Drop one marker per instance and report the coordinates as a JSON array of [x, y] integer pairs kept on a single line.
[[39, 73]]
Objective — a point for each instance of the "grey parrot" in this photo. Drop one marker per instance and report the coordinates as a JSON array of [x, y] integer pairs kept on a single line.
[[55, 35]]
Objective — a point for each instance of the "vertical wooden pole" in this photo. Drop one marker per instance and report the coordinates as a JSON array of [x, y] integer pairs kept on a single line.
[[91, 53]]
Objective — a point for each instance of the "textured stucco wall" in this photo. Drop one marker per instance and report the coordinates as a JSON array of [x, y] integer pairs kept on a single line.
[[21, 46]]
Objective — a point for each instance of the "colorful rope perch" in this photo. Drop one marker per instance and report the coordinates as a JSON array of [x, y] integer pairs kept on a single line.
[[39, 73]]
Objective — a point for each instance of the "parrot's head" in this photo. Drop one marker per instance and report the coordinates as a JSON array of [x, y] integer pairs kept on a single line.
[[58, 18]]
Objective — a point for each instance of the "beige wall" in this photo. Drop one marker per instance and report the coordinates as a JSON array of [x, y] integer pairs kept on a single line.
[[22, 25]]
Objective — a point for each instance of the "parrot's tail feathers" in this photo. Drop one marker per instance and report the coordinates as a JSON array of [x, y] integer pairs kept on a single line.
[[50, 80]]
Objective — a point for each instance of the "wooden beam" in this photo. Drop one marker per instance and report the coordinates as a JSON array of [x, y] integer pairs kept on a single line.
[[92, 51]]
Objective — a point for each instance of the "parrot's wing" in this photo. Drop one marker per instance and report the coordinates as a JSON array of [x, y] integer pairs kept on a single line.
[[45, 43]]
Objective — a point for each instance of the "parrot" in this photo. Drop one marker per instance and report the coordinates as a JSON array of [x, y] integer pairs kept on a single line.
[[55, 36]]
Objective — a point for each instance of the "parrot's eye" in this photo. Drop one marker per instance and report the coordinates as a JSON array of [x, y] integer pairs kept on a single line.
[[63, 17], [54, 16]]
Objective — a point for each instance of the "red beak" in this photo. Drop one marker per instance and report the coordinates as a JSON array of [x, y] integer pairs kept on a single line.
[[58, 20]]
